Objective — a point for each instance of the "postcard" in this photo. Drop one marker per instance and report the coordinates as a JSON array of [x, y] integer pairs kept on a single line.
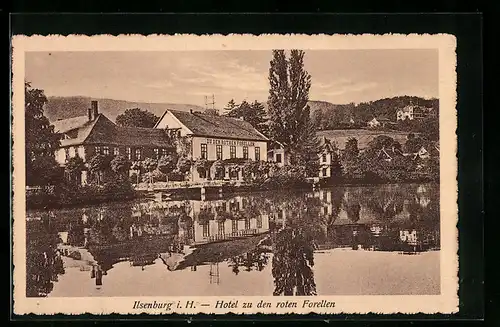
[[238, 174]]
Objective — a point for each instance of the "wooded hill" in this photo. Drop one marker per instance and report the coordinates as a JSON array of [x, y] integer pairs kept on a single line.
[[329, 116], [68, 107], [325, 114]]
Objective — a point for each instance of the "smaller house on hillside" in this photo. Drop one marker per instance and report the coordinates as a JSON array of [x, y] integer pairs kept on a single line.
[[426, 151], [389, 154], [373, 123]]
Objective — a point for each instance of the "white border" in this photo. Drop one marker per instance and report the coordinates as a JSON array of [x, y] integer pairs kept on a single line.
[[446, 302]]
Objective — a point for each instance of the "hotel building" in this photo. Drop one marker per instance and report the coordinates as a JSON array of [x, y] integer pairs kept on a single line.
[[216, 138]]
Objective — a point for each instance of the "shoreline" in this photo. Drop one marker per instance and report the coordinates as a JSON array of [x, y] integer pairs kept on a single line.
[[229, 190]]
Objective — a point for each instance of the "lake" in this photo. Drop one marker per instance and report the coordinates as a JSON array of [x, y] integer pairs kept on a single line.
[[346, 240]]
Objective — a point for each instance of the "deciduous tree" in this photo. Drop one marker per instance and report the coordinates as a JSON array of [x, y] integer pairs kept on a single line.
[[40, 138], [136, 117]]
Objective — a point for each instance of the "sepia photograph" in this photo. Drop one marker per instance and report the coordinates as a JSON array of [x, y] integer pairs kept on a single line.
[[277, 172]]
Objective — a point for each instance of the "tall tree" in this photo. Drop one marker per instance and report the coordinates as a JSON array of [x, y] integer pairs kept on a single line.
[[290, 121], [41, 141], [136, 117], [278, 100]]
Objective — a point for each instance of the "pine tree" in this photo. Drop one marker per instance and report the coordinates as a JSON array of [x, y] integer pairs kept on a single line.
[[259, 117], [229, 107]]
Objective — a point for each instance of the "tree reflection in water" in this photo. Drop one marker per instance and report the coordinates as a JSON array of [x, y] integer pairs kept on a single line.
[[292, 263], [43, 262]]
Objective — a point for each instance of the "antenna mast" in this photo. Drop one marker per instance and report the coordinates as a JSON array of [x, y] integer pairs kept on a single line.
[[208, 102]]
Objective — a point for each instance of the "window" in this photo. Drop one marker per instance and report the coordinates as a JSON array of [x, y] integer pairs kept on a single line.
[[116, 151], [259, 222], [323, 158], [105, 150], [232, 152], [157, 153], [325, 210], [138, 154], [221, 227], [247, 223], [66, 153], [257, 153], [234, 225], [278, 157], [218, 151], [325, 196], [324, 172], [245, 152], [203, 151], [163, 152], [206, 230], [97, 150], [129, 153]]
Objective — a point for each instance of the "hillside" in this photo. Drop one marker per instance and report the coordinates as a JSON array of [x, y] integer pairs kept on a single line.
[[67, 107], [325, 115]]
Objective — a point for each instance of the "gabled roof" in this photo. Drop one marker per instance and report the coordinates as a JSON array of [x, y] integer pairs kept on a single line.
[[103, 131], [66, 125], [201, 124], [80, 125], [136, 136], [326, 144]]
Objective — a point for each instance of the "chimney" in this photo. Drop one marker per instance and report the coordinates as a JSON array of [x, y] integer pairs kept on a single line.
[[191, 111], [89, 112], [95, 109]]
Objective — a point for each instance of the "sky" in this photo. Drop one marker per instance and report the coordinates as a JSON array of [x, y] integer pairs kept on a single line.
[[337, 76]]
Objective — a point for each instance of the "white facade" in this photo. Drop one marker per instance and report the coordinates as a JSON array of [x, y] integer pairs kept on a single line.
[[65, 153], [215, 148]]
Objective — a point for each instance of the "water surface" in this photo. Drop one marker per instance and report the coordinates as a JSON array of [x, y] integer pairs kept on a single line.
[[347, 240]]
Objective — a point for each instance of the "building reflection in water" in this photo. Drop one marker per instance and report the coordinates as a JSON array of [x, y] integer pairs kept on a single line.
[[245, 231]]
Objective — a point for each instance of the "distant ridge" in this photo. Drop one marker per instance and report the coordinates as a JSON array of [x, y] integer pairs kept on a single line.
[[68, 107]]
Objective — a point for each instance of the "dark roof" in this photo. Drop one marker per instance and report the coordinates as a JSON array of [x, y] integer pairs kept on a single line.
[[104, 131], [218, 126], [136, 136], [326, 144]]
